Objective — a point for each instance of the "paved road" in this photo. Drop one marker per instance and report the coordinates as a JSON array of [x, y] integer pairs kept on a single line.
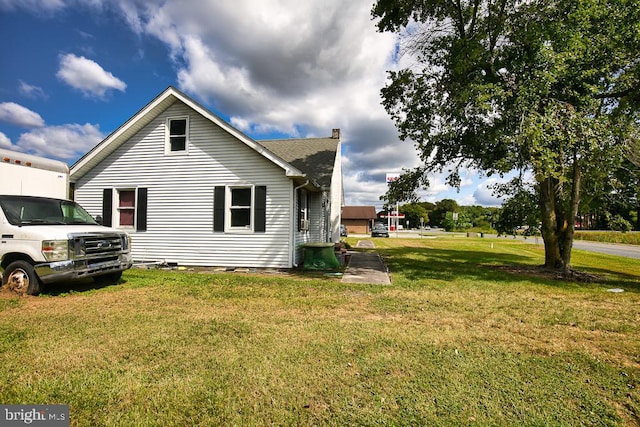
[[629, 251]]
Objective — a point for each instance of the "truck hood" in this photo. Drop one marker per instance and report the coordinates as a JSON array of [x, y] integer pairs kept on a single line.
[[56, 232]]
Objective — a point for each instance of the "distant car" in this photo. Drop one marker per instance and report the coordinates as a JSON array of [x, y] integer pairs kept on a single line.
[[343, 230], [379, 230]]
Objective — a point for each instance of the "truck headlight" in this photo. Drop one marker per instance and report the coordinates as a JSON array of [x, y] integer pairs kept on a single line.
[[126, 242], [55, 250]]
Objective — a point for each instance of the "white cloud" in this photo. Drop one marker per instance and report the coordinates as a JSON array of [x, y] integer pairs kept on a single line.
[[31, 91], [67, 142], [130, 15], [363, 192], [37, 6], [212, 79], [5, 142], [295, 62], [17, 115], [298, 68], [87, 76], [438, 189], [467, 177], [483, 194], [286, 66]]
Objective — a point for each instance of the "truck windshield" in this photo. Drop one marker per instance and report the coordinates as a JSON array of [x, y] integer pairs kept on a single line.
[[25, 210]]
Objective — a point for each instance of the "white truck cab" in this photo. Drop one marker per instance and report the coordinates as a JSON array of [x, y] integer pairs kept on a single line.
[[45, 238]]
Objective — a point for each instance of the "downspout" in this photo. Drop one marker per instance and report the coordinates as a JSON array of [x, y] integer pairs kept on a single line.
[[293, 235]]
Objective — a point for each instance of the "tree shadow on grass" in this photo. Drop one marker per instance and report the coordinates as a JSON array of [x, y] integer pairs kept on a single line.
[[451, 264]]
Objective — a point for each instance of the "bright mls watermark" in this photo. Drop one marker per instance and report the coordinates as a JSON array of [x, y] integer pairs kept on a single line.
[[36, 415]]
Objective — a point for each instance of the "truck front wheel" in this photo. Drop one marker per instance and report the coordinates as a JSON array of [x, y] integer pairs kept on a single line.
[[21, 278]]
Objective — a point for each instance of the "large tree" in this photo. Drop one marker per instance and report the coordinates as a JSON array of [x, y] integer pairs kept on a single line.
[[546, 86]]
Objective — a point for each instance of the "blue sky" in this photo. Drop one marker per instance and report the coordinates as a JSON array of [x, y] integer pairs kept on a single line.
[[75, 70]]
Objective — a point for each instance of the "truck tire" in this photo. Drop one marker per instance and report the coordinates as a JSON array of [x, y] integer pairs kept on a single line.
[[21, 278], [108, 279]]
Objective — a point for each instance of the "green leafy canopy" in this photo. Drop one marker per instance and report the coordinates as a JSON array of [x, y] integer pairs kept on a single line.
[[548, 86]]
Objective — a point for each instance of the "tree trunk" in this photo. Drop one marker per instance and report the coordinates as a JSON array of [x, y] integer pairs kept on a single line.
[[571, 217], [552, 256]]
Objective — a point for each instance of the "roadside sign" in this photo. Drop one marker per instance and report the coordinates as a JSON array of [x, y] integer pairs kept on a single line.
[[393, 215], [392, 176]]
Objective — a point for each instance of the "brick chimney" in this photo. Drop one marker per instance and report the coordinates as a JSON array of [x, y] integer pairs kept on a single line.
[[335, 134]]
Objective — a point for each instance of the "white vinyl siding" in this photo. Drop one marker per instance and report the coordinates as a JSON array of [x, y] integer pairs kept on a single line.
[[180, 195]]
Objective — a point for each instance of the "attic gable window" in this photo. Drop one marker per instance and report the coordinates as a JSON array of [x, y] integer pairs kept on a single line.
[[177, 135]]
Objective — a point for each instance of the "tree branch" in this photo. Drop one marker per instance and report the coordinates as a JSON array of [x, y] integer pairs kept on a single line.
[[619, 94], [458, 10]]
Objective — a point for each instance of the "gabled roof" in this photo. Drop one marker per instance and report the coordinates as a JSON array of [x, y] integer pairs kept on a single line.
[[359, 212], [315, 156], [149, 113]]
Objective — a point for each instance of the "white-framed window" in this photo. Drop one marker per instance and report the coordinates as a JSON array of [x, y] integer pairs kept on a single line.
[[125, 208], [240, 207], [303, 200], [177, 135]]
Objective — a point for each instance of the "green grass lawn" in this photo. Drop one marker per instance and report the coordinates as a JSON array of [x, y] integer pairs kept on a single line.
[[458, 339]]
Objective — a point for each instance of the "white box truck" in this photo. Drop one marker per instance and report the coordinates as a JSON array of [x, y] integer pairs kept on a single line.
[[46, 238], [25, 174]]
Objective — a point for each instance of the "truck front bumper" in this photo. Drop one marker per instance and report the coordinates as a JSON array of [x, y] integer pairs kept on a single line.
[[78, 269]]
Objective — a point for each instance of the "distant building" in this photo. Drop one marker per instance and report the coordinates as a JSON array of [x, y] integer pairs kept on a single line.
[[358, 219]]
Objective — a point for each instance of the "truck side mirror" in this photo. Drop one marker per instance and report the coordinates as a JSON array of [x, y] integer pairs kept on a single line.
[[99, 219]]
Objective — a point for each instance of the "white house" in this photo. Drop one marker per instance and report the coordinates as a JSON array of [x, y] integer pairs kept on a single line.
[[193, 190]]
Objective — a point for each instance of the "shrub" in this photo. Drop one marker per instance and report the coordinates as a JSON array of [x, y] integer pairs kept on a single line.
[[617, 223]]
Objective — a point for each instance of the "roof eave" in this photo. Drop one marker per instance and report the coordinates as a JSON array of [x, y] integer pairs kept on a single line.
[[305, 181]]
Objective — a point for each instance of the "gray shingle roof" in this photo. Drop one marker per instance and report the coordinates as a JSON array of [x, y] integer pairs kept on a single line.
[[313, 156]]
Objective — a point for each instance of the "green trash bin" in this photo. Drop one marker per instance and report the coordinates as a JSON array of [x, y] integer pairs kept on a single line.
[[320, 256]]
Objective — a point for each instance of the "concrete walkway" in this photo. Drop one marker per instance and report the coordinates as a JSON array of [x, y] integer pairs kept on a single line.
[[366, 267]]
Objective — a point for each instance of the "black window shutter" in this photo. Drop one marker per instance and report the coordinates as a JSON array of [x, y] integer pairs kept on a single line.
[[141, 210], [260, 210], [107, 206], [218, 208]]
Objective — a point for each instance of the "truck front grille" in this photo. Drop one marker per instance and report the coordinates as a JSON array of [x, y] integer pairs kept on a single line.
[[98, 246]]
